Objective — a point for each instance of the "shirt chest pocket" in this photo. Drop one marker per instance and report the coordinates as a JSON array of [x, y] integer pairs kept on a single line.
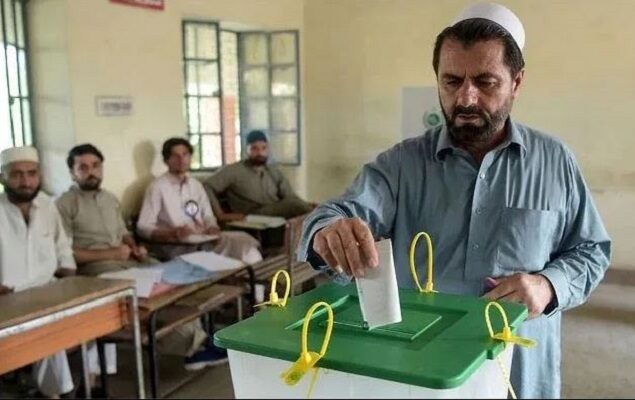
[[526, 239]]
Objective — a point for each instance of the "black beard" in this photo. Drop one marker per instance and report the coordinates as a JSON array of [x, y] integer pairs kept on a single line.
[[476, 134], [17, 197], [89, 185], [258, 161]]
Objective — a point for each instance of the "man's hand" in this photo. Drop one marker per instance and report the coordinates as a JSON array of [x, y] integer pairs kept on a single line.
[[534, 291], [182, 232], [139, 253], [212, 230], [5, 290], [347, 246], [122, 253]]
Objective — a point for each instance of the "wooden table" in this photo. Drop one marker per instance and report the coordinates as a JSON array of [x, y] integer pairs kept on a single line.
[[38, 322], [168, 303]]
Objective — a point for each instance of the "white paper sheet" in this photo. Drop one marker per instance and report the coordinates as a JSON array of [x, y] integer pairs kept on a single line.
[[211, 261], [266, 220], [144, 278], [199, 238], [378, 291]]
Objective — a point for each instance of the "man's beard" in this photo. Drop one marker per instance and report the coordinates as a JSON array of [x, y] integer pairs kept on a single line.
[[17, 196], [469, 133], [91, 183], [258, 160]]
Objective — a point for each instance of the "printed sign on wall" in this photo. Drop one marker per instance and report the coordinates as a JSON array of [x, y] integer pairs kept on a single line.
[[153, 4], [113, 106]]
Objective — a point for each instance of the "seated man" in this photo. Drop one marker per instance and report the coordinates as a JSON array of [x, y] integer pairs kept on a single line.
[[33, 249], [175, 208], [254, 187], [93, 220], [101, 243]]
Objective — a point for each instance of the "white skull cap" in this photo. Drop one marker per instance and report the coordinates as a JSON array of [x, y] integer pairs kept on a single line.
[[501, 15], [14, 154]]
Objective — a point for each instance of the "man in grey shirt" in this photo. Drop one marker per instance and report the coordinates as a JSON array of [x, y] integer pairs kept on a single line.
[[500, 200], [253, 186]]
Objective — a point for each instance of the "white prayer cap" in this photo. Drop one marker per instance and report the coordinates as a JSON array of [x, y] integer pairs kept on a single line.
[[14, 154], [503, 16]]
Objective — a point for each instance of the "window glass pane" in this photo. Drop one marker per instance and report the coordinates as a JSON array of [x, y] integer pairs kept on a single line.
[[26, 117], [283, 48], [192, 115], [231, 109], [210, 115], [257, 115], [212, 154], [190, 41], [208, 78], [229, 63], [255, 50], [12, 61], [16, 114], [256, 82], [284, 147], [24, 86], [19, 24], [284, 81], [206, 41], [5, 121], [191, 76], [8, 21], [284, 115], [195, 141]]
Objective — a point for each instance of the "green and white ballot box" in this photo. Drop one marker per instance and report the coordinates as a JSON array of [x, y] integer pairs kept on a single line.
[[442, 348]]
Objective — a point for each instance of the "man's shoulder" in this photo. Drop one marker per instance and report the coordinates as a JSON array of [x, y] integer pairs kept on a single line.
[[538, 141], [420, 146], [232, 169], [45, 202], [68, 196], [110, 196]]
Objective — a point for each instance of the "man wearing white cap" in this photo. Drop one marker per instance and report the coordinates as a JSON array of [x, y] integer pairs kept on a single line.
[[33, 248], [506, 205]]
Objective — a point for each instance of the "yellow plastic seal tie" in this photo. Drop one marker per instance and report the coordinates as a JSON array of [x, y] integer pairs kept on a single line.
[[308, 359], [507, 337], [429, 288], [274, 300]]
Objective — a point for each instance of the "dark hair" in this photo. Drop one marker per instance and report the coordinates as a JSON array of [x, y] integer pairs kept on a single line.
[[80, 150], [173, 142], [473, 30]]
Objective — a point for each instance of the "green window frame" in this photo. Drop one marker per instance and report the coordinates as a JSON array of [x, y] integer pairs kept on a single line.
[[220, 104], [15, 94]]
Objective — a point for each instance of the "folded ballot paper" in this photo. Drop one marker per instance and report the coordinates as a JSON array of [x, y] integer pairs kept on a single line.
[[378, 291], [145, 278]]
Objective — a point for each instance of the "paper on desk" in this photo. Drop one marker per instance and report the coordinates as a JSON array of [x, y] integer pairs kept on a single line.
[[266, 220], [144, 278], [211, 261], [378, 291], [200, 238], [180, 272]]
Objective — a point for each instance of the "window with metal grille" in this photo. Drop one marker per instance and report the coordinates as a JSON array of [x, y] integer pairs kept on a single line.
[[236, 82], [15, 100]]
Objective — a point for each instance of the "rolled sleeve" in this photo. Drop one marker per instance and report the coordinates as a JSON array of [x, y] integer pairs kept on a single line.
[[63, 248], [149, 214]]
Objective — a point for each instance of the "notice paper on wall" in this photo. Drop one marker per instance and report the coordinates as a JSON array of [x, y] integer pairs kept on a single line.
[[378, 291]]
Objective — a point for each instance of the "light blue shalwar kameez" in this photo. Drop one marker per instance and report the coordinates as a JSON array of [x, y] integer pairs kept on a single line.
[[526, 208]]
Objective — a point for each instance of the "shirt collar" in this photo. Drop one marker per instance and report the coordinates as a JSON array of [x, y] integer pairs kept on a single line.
[[75, 188], [444, 144], [175, 180]]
